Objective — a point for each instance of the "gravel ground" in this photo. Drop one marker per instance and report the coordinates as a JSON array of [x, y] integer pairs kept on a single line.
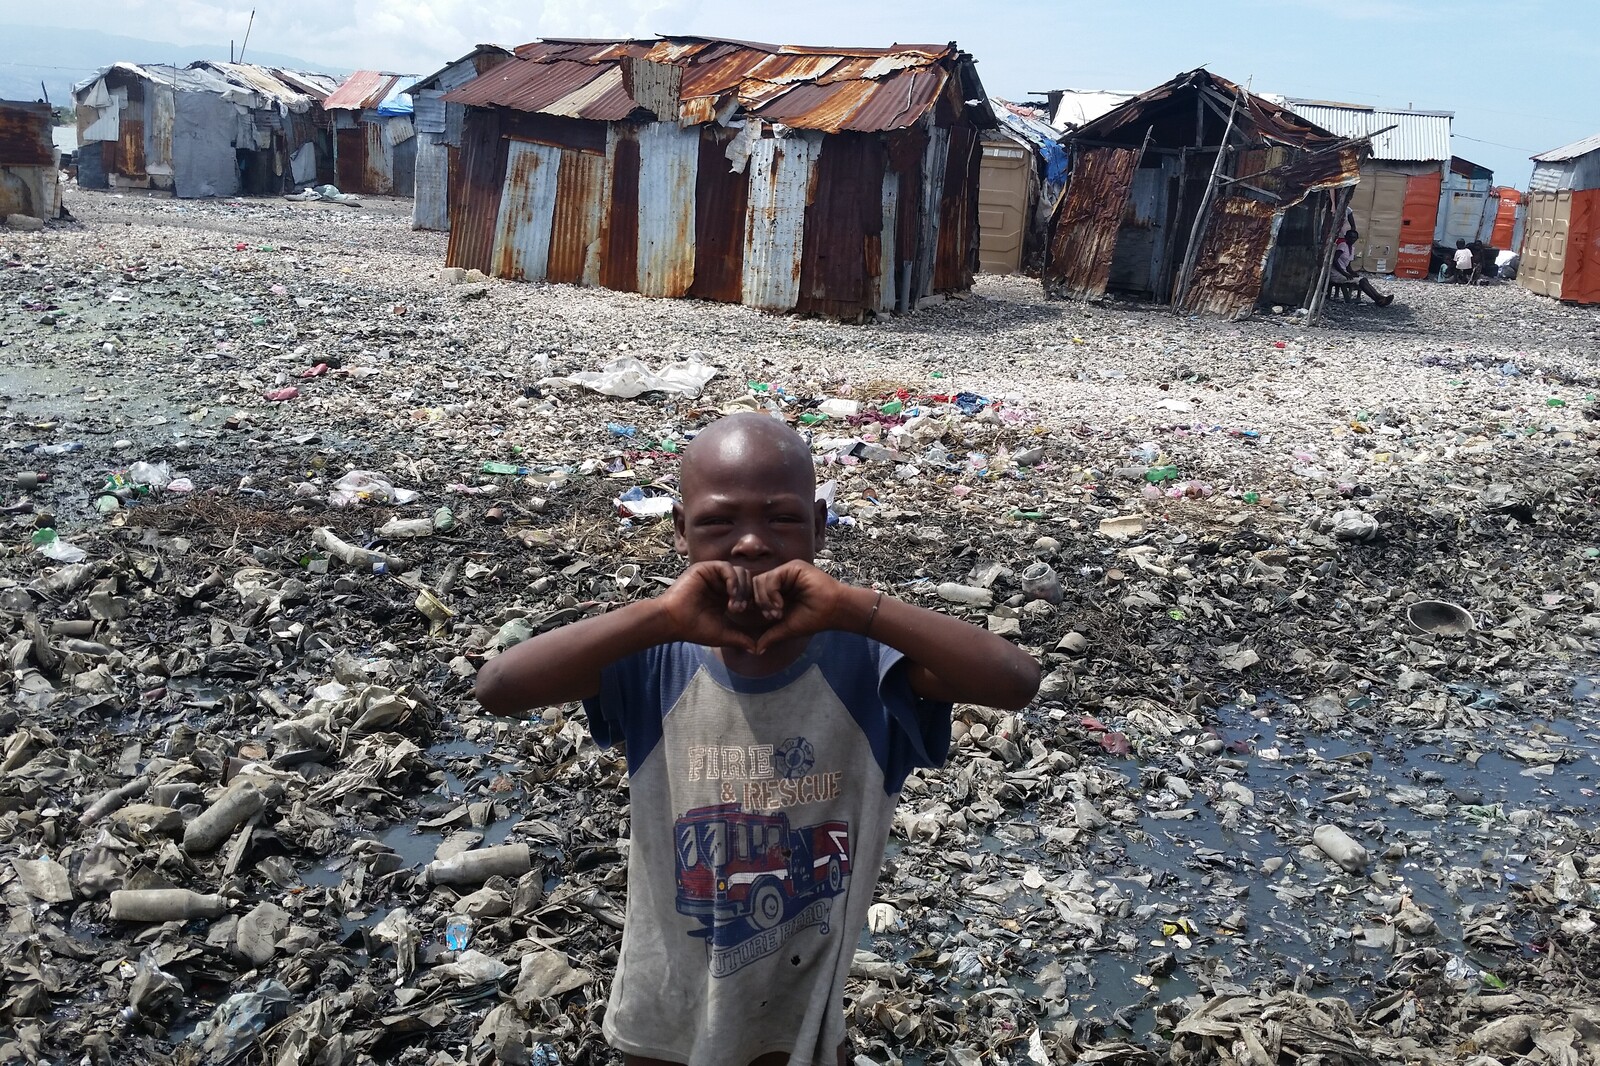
[[1134, 869]]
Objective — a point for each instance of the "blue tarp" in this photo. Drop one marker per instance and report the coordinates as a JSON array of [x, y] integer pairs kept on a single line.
[[1042, 136], [398, 102]]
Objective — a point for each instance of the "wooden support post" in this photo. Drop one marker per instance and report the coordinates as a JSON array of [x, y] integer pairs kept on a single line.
[[1319, 295], [1186, 273]]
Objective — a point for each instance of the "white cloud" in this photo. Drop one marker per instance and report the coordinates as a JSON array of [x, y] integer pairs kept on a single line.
[[415, 37]]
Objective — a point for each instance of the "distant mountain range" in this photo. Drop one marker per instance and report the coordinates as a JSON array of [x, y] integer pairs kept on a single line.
[[61, 58]]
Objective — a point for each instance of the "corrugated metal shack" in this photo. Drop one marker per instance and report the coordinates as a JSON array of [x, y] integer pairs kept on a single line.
[[30, 175], [1204, 196], [840, 182], [208, 129], [1024, 170], [1561, 245], [1465, 204], [1397, 204], [374, 139], [439, 132]]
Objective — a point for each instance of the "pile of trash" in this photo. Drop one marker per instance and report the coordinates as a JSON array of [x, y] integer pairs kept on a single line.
[[1312, 775]]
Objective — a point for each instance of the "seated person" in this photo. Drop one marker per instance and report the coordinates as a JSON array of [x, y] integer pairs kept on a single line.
[[1344, 254]]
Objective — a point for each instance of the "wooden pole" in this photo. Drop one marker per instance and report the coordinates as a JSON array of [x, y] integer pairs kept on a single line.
[[1186, 273], [1319, 295], [247, 28]]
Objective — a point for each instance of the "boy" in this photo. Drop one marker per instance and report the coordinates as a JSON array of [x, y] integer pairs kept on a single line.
[[770, 715]]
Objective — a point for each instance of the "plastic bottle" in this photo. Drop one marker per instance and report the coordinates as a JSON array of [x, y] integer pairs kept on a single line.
[[475, 867], [114, 800], [956, 593], [31, 479], [1337, 845], [493, 467], [406, 527], [232, 809], [164, 905]]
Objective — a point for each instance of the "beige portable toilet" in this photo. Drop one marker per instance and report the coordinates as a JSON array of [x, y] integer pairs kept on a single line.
[[1005, 195]]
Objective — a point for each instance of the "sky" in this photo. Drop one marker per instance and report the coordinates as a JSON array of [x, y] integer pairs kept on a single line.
[[1518, 74]]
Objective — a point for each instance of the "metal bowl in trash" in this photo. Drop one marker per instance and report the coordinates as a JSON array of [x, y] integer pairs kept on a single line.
[[1441, 618]]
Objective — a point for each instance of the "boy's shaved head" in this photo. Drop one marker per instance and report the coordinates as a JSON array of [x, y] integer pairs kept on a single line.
[[748, 441], [749, 495]]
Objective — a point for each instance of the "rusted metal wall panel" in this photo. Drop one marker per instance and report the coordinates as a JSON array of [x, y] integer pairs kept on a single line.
[[958, 213], [619, 265], [561, 132], [1232, 262], [526, 212], [431, 209], [475, 192], [575, 230], [1084, 237], [780, 171], [721, 199], [842, 249], [162, 112], [935, 161], [25, 135], [668, 159]]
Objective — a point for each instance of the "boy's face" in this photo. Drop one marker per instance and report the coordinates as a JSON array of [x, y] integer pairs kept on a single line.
[[749, 507]]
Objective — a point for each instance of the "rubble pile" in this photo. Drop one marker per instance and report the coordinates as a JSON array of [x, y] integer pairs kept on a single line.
[[1311, 777]]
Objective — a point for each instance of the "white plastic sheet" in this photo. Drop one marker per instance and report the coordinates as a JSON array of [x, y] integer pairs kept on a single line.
[[627, 377]]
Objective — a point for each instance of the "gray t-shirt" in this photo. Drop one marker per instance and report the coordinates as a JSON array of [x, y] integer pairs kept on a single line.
[[760, 808]]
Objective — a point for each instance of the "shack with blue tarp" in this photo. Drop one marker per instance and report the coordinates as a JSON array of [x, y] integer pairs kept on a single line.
[[374, 137]]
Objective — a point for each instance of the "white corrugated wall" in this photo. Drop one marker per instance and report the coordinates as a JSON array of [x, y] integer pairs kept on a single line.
[[431, 209], [780, 171], [668, 163], [527, 212]]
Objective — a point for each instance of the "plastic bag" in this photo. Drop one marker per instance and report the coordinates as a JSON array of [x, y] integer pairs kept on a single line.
[[365, 486], [628, 377]]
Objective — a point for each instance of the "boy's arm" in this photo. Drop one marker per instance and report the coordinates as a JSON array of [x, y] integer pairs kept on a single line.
[[564, 664], [949, 660]]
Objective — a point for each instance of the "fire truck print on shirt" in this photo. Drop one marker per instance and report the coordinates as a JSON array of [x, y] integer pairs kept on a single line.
[[760, 808], [747, 873]]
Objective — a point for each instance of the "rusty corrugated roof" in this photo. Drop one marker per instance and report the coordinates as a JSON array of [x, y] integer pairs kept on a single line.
[[361, 90], [827, 89]]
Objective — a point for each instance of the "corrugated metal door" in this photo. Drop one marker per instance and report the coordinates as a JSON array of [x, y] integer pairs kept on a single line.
[[1002, 206], [780, 171], [1141, 238], [668, 159], [1544, 253], [527, 210], [1418, 218], [575, 229], [1083, 238], [351, 151]]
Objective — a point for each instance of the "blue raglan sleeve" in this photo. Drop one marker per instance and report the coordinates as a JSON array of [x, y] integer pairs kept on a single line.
[[919, 729], [635, 693]]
